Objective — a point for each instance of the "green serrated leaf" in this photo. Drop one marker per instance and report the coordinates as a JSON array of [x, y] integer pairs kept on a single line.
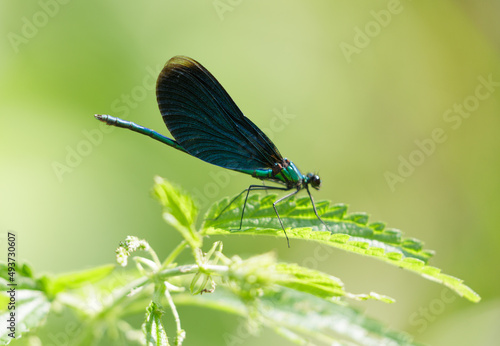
[[351, 233], [309, 281], [318, 283], [371, 295], [153, 329], [23, 277], [74, 280], [180, 210], [25, 270], [359, 218], [31, 309], [303, 317], [253, 274]]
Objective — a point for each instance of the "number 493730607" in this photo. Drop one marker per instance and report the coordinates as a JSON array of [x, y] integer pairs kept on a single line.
[[11, 256]]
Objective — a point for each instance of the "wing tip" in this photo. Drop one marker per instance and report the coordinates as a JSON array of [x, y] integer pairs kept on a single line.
[[181, 60], [176, 65]]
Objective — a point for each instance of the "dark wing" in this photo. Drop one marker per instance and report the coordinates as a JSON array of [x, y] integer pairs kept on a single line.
[[206, 122]]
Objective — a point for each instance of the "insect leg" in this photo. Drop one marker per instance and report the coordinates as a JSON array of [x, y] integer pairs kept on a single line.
[[257, 187], [278, 215], [227, 206], [251, 187], [314, 208]]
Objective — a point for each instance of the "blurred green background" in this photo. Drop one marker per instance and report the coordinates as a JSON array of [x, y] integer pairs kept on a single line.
[[343, 88]]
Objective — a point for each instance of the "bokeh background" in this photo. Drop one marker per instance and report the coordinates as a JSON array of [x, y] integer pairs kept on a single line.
[[343, 88]]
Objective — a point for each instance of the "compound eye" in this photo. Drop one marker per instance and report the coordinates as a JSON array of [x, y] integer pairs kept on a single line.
[[315, 181]]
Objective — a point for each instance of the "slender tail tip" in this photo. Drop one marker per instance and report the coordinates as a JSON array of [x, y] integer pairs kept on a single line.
[[100, 117], [108, 119]]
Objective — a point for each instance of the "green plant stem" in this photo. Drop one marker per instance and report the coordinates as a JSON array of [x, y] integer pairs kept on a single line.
[[123, 293], [181, 334], [173, 255], [166, 273], [191, 269], [154, 256]]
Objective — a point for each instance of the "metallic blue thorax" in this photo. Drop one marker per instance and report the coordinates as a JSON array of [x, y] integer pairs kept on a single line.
[[285, 173]]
